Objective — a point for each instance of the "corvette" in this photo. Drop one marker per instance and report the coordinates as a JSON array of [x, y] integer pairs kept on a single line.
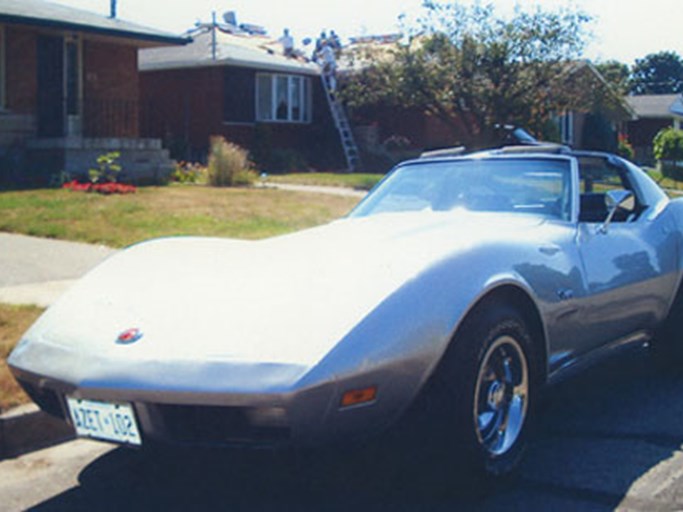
[[469, 282]]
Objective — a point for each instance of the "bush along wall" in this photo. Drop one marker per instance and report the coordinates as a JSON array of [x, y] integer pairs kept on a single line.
[[668, 150]]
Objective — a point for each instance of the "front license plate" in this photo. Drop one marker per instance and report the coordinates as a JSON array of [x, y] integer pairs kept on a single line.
[[104, 420]]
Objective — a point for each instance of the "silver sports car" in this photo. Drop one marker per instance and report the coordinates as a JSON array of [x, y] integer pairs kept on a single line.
[[466, 282]]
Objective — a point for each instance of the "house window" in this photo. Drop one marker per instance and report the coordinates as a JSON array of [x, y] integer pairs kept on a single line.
[[567, 128], [283, 98]]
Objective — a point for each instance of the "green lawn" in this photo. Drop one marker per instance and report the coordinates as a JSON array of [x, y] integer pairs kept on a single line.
[[351, 180], [14, 320], [119, 220], [666, 183]]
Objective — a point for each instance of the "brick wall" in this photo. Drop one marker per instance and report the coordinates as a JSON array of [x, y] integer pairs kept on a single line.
[[21, 65], [183, 107], [110, 90]]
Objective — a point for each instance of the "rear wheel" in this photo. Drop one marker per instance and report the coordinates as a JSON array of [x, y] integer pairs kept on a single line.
[[485, 389]]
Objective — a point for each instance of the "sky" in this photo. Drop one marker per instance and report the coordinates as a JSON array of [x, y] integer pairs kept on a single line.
[[623, 29]]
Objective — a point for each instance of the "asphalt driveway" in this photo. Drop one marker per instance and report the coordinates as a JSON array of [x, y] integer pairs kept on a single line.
[[609, 440], [37, 270]]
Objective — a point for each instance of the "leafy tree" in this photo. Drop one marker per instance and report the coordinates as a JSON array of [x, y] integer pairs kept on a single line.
[[475, 70], [616, 74], [668, 150], [658, 73]]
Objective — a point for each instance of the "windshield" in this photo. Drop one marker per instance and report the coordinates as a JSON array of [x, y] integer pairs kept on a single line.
[[520, 185]]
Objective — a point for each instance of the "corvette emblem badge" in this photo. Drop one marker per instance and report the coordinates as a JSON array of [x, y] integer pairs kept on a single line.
[[129, 336]]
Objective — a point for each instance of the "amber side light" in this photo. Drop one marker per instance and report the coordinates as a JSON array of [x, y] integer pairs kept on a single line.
[[359, 396]]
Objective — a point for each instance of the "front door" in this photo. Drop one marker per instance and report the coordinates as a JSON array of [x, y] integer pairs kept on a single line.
[[625, 275], [51, 108], [627, 266]]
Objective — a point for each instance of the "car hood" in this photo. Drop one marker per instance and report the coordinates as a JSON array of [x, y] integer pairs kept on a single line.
[[287, 300]]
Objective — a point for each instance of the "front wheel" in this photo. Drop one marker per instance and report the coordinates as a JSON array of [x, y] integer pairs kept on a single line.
[[501, 396], [486, 387]]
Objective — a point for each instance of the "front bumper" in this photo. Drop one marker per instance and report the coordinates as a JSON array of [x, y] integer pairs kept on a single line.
[[212, 404]]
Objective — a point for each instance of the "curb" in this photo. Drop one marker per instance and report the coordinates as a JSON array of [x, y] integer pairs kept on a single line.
[[27, 428]]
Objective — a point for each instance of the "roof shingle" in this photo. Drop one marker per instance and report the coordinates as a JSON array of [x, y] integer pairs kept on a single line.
[[48, 14]]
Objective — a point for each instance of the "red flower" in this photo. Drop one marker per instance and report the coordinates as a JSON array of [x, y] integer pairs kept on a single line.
[[100, 188]]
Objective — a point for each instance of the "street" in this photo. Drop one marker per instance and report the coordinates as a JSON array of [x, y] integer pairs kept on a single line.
[[610, 439]]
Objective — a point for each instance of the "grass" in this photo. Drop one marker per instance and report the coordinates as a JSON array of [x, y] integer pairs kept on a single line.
[[14, 321], [351, 180], [666, 183], [119, 220]]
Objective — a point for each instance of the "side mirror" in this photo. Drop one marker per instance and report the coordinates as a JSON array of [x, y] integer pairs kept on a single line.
[[615, 199]]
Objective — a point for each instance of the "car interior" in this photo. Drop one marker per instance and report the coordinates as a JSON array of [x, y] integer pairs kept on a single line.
[[597, 176]]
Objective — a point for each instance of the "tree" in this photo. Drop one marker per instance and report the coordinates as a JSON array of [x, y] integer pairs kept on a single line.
[[668, 150], [616, 74], [464, 63], [658, 73]]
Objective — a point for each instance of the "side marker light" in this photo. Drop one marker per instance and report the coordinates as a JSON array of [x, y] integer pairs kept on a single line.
[[359, 396]]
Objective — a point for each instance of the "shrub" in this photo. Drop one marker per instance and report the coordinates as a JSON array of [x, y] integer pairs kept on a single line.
[[396, 143], [625, 149], [107, 168], [58, 179], [186, 172], [668, 150], [228, 165]]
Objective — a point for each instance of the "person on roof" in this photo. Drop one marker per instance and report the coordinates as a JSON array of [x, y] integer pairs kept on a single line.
[[287, 42], [319, 43]]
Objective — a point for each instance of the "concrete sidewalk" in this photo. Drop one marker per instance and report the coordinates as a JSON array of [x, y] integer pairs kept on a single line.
[[318, 189], [38, 270]]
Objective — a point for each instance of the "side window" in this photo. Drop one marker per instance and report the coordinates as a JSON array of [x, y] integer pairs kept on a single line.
[[596, 177]]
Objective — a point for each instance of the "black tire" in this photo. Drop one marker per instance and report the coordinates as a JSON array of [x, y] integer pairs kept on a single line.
[[484, 391]]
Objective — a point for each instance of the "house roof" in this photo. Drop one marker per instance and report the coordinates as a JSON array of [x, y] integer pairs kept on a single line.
[[47, 14], [657, 105], [231, 49], [619, 109]]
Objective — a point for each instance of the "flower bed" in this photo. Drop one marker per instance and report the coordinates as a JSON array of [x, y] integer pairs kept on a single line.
[[101, 188]]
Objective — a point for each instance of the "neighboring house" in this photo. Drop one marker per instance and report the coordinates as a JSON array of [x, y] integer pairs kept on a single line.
[[239, 84], [69, 91], [654, 112], [604, 116], [379, 127]]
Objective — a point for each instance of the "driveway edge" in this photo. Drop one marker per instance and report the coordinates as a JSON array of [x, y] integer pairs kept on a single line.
[[27, 428]]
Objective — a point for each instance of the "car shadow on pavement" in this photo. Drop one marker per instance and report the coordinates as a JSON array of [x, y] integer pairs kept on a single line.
[[126, 479], [604, 440]]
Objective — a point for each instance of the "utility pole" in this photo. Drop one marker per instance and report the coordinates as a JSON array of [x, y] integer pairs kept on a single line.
[[214, 25]]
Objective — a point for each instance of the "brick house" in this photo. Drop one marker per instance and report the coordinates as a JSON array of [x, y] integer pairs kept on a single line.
[[69, 91], [239, 84], [654, 112]]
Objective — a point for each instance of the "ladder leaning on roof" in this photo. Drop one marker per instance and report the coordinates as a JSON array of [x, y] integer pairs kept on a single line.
[[341, 121]]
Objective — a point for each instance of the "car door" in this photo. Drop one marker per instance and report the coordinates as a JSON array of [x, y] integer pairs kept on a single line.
[[625, 266]]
